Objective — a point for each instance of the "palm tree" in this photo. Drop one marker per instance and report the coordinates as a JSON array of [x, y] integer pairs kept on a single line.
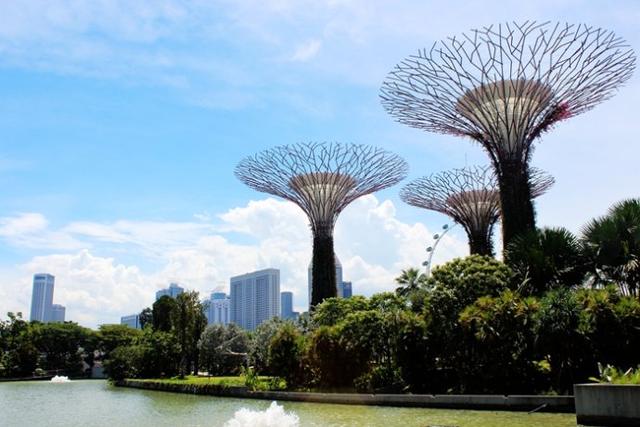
[[612, 245], [411, 280], [546, 258]]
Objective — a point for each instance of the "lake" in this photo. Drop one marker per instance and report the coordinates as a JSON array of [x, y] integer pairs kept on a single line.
[[97, 403]]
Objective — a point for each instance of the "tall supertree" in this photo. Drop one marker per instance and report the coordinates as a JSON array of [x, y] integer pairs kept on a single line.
[[322, 178], [504, 86], [470, 197]]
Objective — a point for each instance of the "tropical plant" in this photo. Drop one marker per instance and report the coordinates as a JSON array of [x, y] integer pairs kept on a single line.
[[546, 258], [411, 280], [223, 349], [611, 375], [285, 351], [612, 245]]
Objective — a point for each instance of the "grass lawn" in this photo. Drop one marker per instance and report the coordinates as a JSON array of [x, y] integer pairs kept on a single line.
[[261, 382]]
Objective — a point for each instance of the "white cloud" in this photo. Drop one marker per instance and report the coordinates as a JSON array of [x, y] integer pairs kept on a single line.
[[371, 242], [306, 51]]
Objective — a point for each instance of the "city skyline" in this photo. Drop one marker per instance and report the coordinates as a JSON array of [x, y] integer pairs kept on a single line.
[[198, 101]]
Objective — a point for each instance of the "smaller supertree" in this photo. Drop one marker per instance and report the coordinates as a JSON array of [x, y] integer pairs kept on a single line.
[[322, 179], [471, 197]]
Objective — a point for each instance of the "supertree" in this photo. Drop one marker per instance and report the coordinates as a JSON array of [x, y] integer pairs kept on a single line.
[[322, 178], [504, 86], [470, 197]]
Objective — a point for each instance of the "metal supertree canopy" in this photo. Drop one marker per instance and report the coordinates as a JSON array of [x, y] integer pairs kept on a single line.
[[504, 85], [322, 178], [470, 197]]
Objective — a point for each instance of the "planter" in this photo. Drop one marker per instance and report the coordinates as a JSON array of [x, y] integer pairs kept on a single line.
[[607, 404]]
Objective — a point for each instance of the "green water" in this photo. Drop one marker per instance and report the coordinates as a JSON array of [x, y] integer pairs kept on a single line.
[[96, 403]]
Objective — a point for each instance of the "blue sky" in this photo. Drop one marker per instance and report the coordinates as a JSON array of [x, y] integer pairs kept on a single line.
[[121, 123]]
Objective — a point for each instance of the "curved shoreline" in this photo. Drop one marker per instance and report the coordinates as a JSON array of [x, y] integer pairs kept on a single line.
[[560, 404]]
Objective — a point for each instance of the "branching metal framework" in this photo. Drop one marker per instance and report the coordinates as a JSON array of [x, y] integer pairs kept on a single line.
[[505, 85], [322, 178], [470, 197]]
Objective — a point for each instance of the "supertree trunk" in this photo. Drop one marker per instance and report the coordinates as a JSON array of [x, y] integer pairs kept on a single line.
[[518, 215], [323, 270], [480, 243]]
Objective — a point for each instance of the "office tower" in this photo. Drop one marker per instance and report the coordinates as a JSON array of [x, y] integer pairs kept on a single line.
[[172, 291], [42, 297], [57, 313], [345, 290], [218, 309], [338, 277], [132, 321], [286, 305], [255, 297]]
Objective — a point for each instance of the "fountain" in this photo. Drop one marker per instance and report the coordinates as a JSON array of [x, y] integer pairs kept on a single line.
[[60, 379], [273, 416]]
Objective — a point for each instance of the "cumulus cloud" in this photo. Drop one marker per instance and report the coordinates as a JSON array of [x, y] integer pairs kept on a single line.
[[372, 243]]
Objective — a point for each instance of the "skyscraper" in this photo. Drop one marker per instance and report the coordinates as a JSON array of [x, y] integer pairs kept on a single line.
[[57, 313], [42, 297], [255, 297], [132, 321], [218, 310], [286, 305], [345, 290], [172, 291]]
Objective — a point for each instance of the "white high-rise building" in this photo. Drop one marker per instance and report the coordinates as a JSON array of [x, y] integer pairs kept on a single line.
[[219, 309], [255, 297], [172, 291], [42, 297], [338, 278]]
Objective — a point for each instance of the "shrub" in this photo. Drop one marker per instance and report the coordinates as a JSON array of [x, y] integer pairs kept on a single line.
[[285, 354]]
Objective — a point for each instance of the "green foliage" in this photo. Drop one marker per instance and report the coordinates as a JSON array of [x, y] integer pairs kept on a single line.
[[112, 336], [333, 310], [612, 246], [611, 375], [18, 354], [62, 345], [161, 313], [146, 318], [124, 362], [411, 281], [546, 258], [259, 344], [223, 349], [502, 344], [188, 322], [285, 354]]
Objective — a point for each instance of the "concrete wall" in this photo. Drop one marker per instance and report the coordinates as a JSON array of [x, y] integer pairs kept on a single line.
[[486, 402], [607, 404]]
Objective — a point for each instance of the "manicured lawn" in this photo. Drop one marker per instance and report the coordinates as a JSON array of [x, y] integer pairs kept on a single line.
[[262, 382]]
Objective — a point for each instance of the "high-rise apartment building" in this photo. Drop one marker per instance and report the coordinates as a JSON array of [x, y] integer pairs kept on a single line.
[[218, 310], [132, 321], [255, 297], [42, 297], [172, 291]]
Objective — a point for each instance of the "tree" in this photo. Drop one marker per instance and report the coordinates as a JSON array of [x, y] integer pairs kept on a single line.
[[259, 344], [546, 258], [223, 349], [612, 245], [188, 321], [62, 345], [146, 317], [112, 336], [411, 280], [162, 313], [285, 353], [18, 354]]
